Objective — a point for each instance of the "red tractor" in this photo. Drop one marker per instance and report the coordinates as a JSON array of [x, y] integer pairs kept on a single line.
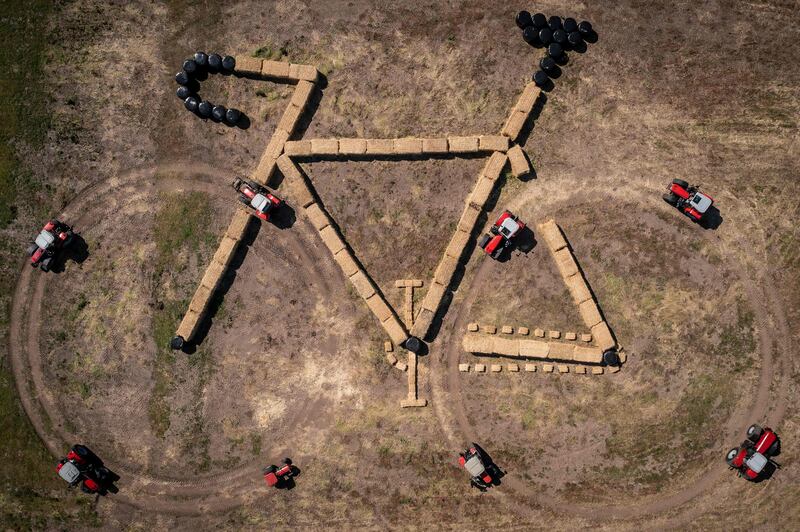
[[501, 234], [82, 466], [258, 198], [750, 459], [687, 199], [477, 465], [279, 477], [52, 240]]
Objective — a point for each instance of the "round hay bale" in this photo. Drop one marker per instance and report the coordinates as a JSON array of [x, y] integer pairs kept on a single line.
[[232, 116], [585, 28], [218, 113], [539, 20], [575, 38], [545, 36], [570, 25], [189, 66], [560, 37], [554, 23], [177, 342], [201, 59], [530, 34], [228, 63], [204, 109], [183, 92], [555, 50], [182, 78], [191, 104], [523, 20], [214, 62], [413, 344], [540, 78]]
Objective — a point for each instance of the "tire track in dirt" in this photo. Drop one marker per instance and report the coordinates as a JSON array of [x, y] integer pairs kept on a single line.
[[216, 492], [764, 306]]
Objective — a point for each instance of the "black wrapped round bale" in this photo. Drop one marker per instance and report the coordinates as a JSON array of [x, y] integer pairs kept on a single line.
[[232, 116], [183, 92], [545, 36], [218, 113], [182, 78], [575, 38], [540, 78], [560, 36], [191, 104], [201, 59], [523, 20], [204, 109], [189, 66], [554, 23], [555, 50], [530, 34], [214, 62], [585, 28], [547, 64], [539, 20], [228, 63], [570, 25]]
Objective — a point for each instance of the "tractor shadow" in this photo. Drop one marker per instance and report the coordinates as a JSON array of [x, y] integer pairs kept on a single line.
[[712, 219], [289, 483], [523, 244], [284, 218], [77, 252], [767, 472], [108, 483]]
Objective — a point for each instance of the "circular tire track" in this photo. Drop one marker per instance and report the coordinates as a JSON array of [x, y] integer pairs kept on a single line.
[[765, 304], [215, 492]]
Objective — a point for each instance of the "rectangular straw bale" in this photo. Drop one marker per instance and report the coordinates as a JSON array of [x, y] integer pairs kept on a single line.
[[434, 145], [297, 191], [303, 72], [391, 359], [571, 336], [462, 144], [457, 244], [287, 166], [539, 333], [379, 307], [528, 98], [464, 368], [565, 262], [239, 224], [480, 368], [590, 313], [552, 234], [225, 251], [276, 143], [213, 274], [445, 270], [586, 337], [362, 284], [265, 169], [472, 327], [388, 346], [380, 146], [325, 146], [200, 299], [188, 325], [489, 329], [507, 329], [496, 368], [554, 334], [587, 355], [519, 162], [597, 371], [480, 194], [416, 283], [346, 262], [274, 69], [250, 66], [301, 148], [302, 94], [475, 343], [331, 239], [395, 330], [352, 146], [493, 143], [433, 297], [602, 336], [547, 368], [514, 124], [506, 346], [563, 368], [408, 146], [578, 288], [494, 166], [581, 370], [422, 322], [530, 367], [524, 331], [468, 219], [534, 348], [317, 216], [561, 351], [290, 118]]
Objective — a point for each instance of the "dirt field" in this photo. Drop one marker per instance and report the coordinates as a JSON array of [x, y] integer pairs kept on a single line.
[[291, 362]]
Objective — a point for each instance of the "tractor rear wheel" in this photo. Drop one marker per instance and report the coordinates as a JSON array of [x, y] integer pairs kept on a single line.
[[244, 199], [775, 448], [681, 183], [731, 455], [483, 241], [671, 198], [754, 433], [45, 264]]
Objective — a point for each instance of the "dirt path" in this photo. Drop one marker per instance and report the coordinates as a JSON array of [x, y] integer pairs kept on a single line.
[[216, 492], [764, 301]]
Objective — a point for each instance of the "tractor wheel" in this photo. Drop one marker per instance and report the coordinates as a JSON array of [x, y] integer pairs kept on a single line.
[[244, 200], [754, 433], [671, 198], [483, 241], [731, 455], [32, 249], [45, 264], [81, 450], [269, 469], [287, 461], [681, 183], [775, 448]]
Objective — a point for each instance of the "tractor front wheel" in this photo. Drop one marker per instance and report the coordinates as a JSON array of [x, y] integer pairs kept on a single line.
[[731, 455], [45, 264], [775, 448], [754, 433], [32, 249], [671, 198]]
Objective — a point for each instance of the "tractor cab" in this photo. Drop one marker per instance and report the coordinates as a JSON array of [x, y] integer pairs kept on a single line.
[[509, 226], [69, 472], [756, 462], [260, 203], [700, 202], [45, 239]]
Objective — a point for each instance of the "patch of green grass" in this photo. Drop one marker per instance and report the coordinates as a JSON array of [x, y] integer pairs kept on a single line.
[[271, 52]]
